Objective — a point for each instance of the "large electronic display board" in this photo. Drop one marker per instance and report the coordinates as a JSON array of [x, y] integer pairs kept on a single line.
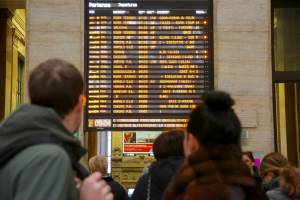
[[146, 62]]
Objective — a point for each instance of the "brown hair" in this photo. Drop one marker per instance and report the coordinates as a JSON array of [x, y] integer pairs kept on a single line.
[[249, 154], [290, 181], [98, 164], [56, 84], [168, 144], [272, 162]]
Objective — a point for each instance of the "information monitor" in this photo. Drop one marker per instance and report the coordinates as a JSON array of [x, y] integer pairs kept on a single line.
[[146, 62]]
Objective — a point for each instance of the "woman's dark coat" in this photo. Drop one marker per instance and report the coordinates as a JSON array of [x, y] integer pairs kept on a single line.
[[160, 173]]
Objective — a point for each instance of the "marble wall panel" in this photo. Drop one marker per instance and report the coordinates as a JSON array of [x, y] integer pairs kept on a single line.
[[46, 45], [242, 15]]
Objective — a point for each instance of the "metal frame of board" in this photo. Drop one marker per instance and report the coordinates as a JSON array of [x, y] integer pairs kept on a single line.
[[211, 58]]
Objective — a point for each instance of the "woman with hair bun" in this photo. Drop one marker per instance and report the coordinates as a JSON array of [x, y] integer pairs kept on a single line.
[[213, 168], [280, 180]]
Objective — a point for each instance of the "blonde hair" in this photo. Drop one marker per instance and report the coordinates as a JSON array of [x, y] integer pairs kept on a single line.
[[290, 181], [289, 176], [98, 164], [272, 162]]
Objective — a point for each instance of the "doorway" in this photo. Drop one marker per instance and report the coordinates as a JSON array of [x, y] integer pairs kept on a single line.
[[286, 77], [12, 58], [287, 101]]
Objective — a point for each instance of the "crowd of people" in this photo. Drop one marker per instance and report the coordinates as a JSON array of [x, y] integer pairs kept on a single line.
[[39, 156]]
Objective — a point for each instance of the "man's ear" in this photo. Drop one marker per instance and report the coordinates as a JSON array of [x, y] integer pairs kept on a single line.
[[81, 103], [190, 144], [193, 142]]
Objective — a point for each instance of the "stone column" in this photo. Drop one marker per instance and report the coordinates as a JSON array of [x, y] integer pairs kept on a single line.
[[54, 30], [242, 47]]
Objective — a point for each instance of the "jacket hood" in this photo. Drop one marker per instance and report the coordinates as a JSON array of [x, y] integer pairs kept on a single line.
[[29, 120], [162, 171]]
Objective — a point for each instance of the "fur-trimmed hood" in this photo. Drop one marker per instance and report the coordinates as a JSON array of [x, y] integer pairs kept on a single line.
[[214, 173]]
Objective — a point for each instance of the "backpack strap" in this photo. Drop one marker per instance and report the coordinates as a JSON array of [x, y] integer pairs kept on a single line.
[[18, 146]]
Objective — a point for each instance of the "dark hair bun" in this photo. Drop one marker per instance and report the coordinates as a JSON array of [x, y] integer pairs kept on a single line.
[[218, 101], [214, 122]]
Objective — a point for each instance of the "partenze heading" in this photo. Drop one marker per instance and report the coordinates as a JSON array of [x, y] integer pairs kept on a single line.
[[113, 5]]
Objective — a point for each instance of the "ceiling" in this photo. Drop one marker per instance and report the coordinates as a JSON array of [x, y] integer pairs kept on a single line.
[[12, 4]]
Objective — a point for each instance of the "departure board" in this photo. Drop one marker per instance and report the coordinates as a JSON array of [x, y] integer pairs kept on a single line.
[[147, 63]]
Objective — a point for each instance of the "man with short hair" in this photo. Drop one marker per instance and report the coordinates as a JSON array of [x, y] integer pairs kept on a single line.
[[39, 156]]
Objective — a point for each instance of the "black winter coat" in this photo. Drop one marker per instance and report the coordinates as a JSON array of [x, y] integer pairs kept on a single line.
[[154, 182]]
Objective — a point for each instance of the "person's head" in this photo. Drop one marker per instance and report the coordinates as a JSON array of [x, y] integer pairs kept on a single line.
[[212, 123], [98, 164], [290, 181], [248, 159], [271, 165], [168, 144], [57, 84]]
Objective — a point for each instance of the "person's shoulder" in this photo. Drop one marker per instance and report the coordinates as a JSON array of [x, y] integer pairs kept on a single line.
[[143, 179], [48, 150], [42, 152], [140, 190], [50, 157]]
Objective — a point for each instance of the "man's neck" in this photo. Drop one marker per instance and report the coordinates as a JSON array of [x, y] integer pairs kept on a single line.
[[68, 122]]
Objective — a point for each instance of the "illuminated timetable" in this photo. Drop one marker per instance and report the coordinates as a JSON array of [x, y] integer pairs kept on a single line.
[[146, 62]]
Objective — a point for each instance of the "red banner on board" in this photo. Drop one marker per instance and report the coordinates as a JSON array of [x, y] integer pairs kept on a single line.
[[138, 148]]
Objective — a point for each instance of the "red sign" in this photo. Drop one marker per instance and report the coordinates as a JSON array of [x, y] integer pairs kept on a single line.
[[138, 148]]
